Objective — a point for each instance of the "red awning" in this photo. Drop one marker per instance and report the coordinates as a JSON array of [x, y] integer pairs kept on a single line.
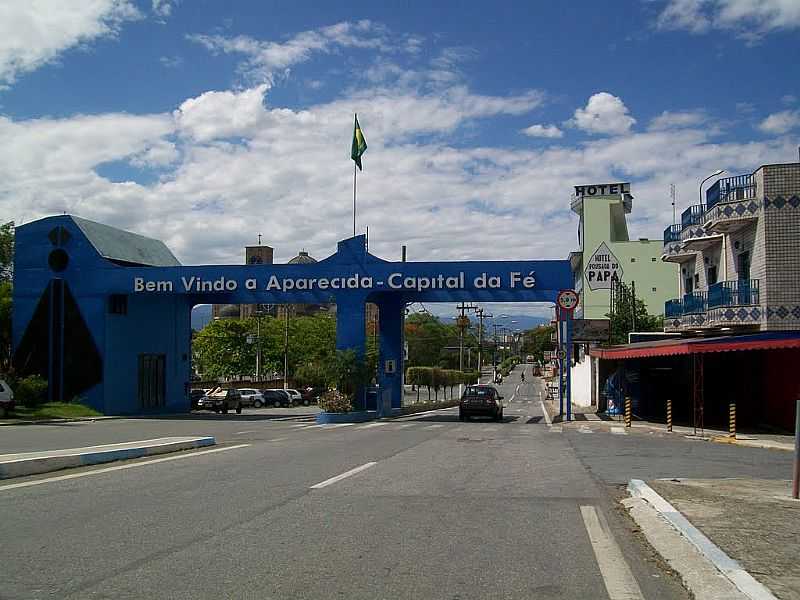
[[675, 347]]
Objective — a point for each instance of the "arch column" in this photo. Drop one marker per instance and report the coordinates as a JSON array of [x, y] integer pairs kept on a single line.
[[351, 332], [390, 319]]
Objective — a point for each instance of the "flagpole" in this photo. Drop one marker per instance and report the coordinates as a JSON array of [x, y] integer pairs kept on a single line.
[[354, 200]]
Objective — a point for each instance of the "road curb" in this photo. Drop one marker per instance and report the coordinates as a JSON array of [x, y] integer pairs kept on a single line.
[[33, 463], [8, 422], [730, 568], [724, 439]]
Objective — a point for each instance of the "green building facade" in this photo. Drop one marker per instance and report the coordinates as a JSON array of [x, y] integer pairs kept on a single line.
[[607, 252]]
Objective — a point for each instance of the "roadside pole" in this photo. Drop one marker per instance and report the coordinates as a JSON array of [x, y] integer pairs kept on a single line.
[[796, 478]]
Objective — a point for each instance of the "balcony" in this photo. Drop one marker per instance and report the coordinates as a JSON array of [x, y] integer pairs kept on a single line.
[[742, 292], [673, 247], [693, 216], [726, 304], [731, 189]]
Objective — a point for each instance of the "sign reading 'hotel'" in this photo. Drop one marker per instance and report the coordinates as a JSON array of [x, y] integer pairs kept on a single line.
[[602, 189], [602, 268]]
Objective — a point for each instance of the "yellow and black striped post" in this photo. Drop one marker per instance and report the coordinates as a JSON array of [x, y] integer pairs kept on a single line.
[[669, 414], [732, 420], [628, 408]]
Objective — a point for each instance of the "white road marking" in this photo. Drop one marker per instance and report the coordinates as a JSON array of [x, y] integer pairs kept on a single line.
[[584, 429], [405, 425], [336, 425], [370, 425], [617, 576], [25, 484], [302, 426], [421, 415], [243, 432], [555, 429], [619, 430], [433, 426], [282, 439], [328, 482], [546, 415]]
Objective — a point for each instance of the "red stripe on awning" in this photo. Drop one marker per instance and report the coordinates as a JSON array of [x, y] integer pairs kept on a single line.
[[692, 346]]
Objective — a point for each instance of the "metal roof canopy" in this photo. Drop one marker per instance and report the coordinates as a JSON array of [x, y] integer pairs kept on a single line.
[[757, 341]]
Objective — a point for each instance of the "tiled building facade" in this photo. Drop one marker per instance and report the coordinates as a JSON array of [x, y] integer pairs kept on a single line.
[[739, 255]]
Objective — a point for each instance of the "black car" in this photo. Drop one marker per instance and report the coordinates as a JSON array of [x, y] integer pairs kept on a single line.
[[480, 401], [194, 397], [276, 398], [220, 401]]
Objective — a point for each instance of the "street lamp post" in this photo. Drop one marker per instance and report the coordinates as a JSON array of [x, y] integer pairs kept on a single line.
[[714, 174]]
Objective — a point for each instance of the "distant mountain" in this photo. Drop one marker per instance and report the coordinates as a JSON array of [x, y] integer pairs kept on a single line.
[[201, 316]]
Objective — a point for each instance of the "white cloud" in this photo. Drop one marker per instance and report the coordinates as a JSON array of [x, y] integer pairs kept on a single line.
[[749, 18], [781, 122], [266, 59], [35, 32], [604, 113], [215, 115], [545, 131], [677, 120], [171, 62], [789, 99], [162, 8]]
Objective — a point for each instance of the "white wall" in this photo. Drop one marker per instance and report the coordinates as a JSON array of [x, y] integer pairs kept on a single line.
[[582, 383]]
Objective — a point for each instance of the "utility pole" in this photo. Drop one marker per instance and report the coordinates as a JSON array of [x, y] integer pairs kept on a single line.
[[462, 322], [286, 348], [481, 316]]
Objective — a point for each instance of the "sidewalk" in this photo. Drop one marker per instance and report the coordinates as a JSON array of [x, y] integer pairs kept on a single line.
[[754, 521], [32, 463], [584, 414]]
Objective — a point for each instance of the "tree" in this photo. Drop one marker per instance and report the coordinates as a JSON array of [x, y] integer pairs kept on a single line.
[[630, 314], [221, 349], [6, 275], [536, 341], [7, 251]]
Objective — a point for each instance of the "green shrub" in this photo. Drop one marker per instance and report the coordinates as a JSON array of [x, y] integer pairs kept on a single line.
[[31, 391], [335, 402]]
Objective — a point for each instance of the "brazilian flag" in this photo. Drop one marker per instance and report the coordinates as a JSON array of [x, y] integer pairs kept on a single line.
[[359, 144]]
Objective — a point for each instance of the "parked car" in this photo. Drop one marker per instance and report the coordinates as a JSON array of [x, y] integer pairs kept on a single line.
[[251, 397], [194, 397], [276, 398], [295, 396], [6, 398], [480, 400], [311, 395], [221, 401]]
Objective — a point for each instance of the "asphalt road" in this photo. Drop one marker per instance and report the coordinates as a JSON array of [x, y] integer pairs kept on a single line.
[[438, 509]]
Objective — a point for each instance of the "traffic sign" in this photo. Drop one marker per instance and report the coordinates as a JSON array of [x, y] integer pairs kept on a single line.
[[567, 300]]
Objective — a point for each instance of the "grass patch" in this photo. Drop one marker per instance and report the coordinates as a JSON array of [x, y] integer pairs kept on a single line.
[[54, 410]]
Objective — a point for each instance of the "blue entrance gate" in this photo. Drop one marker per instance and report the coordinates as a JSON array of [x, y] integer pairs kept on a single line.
[[90, 300]]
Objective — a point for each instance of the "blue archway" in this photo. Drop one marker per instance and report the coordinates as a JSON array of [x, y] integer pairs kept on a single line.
[[91, 300]]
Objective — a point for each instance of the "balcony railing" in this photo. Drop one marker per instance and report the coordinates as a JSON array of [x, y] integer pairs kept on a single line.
[[694, 303], [692, 215], [731, 189], [672, 234], [742, 292], [673, 308]]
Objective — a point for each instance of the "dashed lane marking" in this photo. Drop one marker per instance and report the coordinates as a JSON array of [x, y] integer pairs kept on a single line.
[[336, 425], [341, 476], [619, 430], [433, 426], [135, 465], [280, 439], [371, 425]]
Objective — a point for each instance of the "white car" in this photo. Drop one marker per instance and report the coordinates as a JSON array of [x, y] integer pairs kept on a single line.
[[295, 397], [6, 398], [251, 397]]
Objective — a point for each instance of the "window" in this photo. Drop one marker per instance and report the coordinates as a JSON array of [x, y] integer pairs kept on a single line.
[[688, 288], [653, 259], [654, 289], [697, 280], [712, 275], [118, 304], [633, 260]]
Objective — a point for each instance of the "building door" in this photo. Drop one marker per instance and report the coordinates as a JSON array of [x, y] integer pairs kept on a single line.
[[151, 381], [743, 267]]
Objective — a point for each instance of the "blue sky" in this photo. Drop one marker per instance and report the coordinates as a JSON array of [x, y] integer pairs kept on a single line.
[[206, 123]]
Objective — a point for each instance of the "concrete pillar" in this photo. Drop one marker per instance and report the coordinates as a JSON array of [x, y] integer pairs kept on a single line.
[[392, 310]]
